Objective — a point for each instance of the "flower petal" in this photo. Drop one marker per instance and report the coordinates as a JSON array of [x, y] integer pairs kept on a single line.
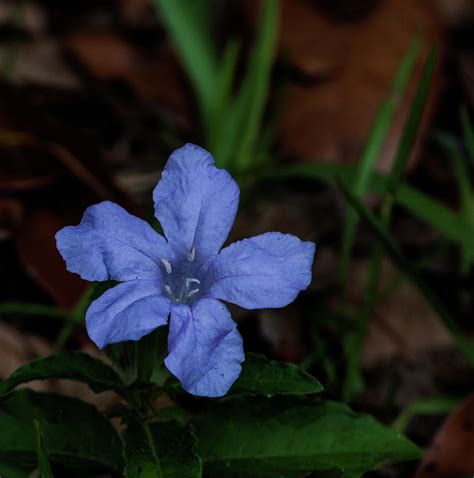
[[205, 348], [195, 203], [128, 311], [110, 243], [265, 271]]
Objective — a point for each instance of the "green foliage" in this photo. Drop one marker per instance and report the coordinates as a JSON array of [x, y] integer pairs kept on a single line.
[[354, 342], [43, 461], [231, 121], [377, 227], [71, 365], [261, 376], [160, 450], [75, 433], [373, 146], [426, 406], [289, 437]]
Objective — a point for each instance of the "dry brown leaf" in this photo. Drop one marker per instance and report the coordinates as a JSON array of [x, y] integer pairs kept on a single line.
[[451, 454], [352, 64]]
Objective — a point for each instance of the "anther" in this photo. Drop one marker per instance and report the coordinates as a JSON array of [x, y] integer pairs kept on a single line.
[[192, 292], [192, 280], [192, 254], [166, 265], [168, 290]]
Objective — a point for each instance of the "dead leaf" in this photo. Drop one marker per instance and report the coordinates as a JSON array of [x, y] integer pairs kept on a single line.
[[451, 454], [352, 65]]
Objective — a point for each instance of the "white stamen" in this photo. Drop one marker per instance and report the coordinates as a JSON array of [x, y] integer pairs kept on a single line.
[[192, 280], [192, 254], [168, 290], [192, 292], [167, 265]]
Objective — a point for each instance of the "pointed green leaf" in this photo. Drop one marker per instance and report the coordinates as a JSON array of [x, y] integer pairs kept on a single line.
[[287, 437], [261, 376], [75, 433], [160, 450], [43, 461], [71, 365]]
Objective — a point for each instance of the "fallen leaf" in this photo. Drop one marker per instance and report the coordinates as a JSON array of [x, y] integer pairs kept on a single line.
[[451, 454], [350, 65]]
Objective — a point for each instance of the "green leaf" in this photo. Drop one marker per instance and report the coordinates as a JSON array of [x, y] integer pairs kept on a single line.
[[424, 406], [75, 433], [261, 376], [160, 450], [188, 25], [264, 438], [468, 131], [71, 365], [254, 90], [243, 118], [43, 461], [355, 339], [373, 146]]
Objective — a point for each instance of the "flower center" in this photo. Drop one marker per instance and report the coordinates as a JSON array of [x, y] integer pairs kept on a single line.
[[181, 287]]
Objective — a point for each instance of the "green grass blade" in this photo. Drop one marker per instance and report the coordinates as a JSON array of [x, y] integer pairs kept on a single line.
[[468, 131], [462, 175], [188, 25], [432, 212], [411, 127], [43, 462], [405, 266], [355, 343], [33, 310], [242, 121], [222, 99], [256, 83], [425, 406], [373, 146]]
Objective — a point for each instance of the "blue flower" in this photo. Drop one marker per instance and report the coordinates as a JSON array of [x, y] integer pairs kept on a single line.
[[186, 275]]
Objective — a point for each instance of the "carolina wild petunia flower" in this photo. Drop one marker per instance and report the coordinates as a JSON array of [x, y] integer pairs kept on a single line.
[[186, 275]]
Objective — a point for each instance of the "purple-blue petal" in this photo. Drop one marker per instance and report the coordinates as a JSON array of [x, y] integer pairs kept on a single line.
[[205, 348], [128, 311], [265, 271], [195, 202], [110, 243]]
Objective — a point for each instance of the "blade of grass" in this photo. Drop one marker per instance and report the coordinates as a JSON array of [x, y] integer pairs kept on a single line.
[[426, 406], [256, 84], [466, 197], [29, 309], [222, 98], [188, 25], [371, 151], [468, 131], [354, 344], [434, 213], [43, 462], [378, 229], [244, 116]]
